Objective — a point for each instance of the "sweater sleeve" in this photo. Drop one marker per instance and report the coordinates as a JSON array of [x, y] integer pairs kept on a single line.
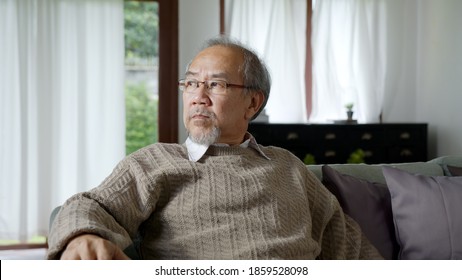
[[114, 210], [338, 235]]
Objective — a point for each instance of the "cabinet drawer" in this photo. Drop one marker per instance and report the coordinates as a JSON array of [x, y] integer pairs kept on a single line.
[[329, 155], [372, 154], [366, 136], [329, 135], [405, 135], [280, 135], [407, 154]]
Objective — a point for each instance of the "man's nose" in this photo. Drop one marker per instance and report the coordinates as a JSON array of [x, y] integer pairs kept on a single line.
[[201, 95]]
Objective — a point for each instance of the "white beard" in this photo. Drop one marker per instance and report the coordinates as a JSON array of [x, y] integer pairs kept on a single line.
[[206, 138]]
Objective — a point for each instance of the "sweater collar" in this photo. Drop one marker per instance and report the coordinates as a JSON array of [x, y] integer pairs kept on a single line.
[[196, 151]]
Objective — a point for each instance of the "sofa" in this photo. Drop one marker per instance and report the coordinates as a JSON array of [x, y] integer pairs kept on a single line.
[[407, 210]]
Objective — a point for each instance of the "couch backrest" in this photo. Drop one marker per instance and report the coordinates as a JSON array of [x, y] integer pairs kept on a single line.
[[373, 172]]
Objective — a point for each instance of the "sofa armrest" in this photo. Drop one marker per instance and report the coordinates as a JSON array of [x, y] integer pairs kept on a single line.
[[131, 251]]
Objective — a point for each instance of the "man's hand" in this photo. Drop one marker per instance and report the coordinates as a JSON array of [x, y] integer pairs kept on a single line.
[[92, 247]]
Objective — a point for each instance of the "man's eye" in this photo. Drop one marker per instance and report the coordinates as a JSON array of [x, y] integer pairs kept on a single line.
[[191, 83], [217, 84]]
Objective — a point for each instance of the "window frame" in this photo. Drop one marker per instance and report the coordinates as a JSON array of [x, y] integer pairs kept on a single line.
[[168, 70]]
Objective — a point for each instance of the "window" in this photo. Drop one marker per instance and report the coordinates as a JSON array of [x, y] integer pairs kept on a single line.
[[141, 73], [67, 127], [159, 23]]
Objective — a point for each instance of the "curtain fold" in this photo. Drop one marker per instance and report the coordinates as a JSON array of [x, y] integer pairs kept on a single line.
[[61, 105], [349, 59], [275, 29]]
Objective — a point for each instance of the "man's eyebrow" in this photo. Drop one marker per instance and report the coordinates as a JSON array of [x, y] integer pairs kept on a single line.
[[220, 75], [190, 73]]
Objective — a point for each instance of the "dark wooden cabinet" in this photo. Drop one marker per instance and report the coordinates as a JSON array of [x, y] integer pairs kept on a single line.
[[334, 143]]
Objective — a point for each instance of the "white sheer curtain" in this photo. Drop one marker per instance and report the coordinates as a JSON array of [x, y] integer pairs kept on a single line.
[[62, 119], [276, 30], [349, 59]]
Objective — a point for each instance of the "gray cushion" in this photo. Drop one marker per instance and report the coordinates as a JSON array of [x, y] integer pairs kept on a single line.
[[369, 204], [426, 212], [454, 170]]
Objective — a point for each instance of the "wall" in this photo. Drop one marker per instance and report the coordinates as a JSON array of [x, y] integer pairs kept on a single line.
[[427, 84], [199, 20], [439, 96]]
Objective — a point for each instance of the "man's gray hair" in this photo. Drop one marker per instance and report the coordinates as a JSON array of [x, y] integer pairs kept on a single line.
[[254, 71]]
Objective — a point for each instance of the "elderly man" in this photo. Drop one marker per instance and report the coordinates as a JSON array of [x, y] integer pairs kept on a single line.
[[219, 195]]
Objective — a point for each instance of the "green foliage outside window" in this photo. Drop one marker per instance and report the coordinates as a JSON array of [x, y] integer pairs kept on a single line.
[[141, 29], [141, 24], [141, 117]]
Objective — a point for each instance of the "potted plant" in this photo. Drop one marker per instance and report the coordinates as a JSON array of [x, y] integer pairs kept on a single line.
[[309, 159], [357, 156], [349, 107]]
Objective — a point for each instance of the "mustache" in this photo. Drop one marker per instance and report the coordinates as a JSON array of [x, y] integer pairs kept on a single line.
[[206, 113]]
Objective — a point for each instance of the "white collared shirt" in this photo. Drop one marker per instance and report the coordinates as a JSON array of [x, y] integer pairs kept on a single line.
[[196, 151]]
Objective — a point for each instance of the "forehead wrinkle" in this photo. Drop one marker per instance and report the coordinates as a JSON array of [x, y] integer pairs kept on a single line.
[[223, 75]]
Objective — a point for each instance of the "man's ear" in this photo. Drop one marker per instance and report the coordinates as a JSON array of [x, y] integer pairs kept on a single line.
[[256, 101]]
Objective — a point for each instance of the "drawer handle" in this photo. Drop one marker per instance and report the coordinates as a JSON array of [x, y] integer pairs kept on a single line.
[[366, 136], [368, 153], [405, 135], [405, 153], [292, 136], [330, 153], [330, 136]]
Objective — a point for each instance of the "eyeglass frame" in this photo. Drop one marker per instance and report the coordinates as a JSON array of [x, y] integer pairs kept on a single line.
[[181, 83]]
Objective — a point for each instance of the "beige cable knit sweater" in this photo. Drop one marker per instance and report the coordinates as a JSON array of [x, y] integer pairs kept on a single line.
[[232, 204]]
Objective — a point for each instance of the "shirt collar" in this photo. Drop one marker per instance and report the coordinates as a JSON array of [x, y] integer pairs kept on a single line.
[[196, 151]]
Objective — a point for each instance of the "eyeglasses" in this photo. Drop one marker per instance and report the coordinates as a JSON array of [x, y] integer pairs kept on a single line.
[[213, 86]]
